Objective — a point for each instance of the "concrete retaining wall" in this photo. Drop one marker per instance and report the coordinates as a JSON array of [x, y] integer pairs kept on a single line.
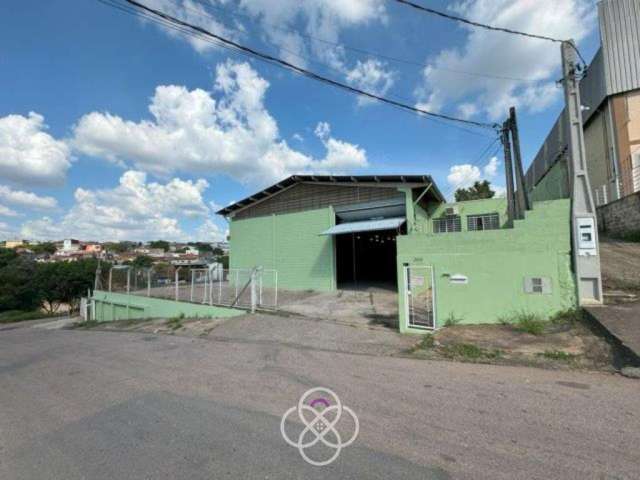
[[620, 217], [120, 306]]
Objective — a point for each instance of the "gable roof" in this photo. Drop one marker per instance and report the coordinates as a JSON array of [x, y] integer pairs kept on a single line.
[[346, 180]]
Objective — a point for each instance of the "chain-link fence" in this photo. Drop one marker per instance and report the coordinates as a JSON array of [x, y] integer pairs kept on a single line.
[[236, 287]]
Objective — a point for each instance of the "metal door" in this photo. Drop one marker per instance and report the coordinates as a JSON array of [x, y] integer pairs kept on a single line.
[[420, 297]]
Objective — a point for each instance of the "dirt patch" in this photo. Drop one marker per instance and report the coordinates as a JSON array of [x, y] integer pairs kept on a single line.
[[561, 345], [620, 264]]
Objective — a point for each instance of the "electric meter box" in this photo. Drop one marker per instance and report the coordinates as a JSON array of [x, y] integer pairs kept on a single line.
[[586, 237]]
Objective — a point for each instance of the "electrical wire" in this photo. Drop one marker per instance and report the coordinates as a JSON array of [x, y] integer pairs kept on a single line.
[[486, 26], [233, 45], [482, 157], [190, 34], [359, 50]]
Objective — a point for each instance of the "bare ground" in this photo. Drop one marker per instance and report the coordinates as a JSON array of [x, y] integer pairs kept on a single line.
[[620, 263], [559, 346]]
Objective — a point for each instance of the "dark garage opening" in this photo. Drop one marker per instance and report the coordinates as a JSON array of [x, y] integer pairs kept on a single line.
[[367, 259]]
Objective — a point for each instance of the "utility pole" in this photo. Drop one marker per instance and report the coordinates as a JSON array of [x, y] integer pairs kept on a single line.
[[586, 258], [508, 172], [521, 189]]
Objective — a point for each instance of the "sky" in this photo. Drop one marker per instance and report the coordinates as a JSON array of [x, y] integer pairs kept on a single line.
[[113, 127]]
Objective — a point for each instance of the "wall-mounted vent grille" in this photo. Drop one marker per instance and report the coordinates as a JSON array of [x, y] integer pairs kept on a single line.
[[537, 285], [486, 221], [446, 224]]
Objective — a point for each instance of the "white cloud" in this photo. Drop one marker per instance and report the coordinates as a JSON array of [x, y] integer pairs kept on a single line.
[[323, 130], [300, 30], [505, 55], [6, 231], [7, 212], [297, 137], [209, 231], [321, 19], [194, 132], [135, 209], [465, 175], [194, 13], [28, 200], [371, 76], [29, 155], [491, 168]]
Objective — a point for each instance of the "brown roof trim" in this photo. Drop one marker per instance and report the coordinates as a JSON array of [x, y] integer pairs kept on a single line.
[[343, 179]]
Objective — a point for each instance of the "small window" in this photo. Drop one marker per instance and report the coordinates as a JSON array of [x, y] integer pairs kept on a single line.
[[537, 285], [446, 224], [486, 221]]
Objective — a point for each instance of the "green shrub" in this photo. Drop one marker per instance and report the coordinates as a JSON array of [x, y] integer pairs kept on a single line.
[[558, 355], [469, 351], [452, 320], [526, 322]]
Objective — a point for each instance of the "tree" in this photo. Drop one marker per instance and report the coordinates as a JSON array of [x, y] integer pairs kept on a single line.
[[119, 247], [17, 289], [163, 244], [202, 246], [46, 247], [478, 191], [142, 261], [61, 283]]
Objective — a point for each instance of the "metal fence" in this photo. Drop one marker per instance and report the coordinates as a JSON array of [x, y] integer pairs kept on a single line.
[[255, 288]]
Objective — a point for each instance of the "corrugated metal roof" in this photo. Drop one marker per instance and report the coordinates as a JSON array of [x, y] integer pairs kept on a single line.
[[371, 180], [365, 226]]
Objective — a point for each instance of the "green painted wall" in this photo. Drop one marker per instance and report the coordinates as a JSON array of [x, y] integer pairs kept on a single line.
[[554, 185], [120, 306], [495, 263], [289, 243]]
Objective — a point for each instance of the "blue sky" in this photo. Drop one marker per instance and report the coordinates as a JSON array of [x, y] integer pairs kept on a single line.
[[82, 155]]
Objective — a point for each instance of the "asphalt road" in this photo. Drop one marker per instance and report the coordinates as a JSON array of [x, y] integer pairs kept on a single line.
[[107, 405]]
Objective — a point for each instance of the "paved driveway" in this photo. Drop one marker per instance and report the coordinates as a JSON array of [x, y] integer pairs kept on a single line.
[[104, 405]]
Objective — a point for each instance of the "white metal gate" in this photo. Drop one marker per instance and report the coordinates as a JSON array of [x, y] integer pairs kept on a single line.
[[420, 297]]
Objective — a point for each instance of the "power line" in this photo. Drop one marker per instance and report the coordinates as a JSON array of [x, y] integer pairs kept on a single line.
[[227, 43], [484, 25], [188, 33], [484, 154], [359, 50]]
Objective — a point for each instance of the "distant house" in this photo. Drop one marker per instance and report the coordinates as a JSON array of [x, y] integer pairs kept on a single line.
[[71, 245], [92, 248], [14, 243]]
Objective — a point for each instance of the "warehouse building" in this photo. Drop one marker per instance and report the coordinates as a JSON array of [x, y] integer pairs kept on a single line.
[[327, 232], [463, 262]]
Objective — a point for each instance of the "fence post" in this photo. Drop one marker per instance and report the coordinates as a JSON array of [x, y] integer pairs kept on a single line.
[[193, 275], [177, 284], [110, 277], [149, 282], [128, 280], [253, 290], [220, 287], [275, 299]]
